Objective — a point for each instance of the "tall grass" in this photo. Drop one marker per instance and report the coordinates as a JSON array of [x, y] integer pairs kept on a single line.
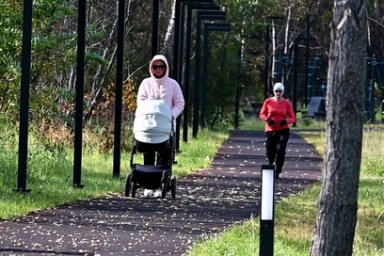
[[50, 178], [295, 216], [50, 171], [197, 154]]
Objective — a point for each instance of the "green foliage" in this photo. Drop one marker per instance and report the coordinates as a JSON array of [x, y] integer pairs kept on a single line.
[[253, 123], [373, 152], [223, 81], [236, 59], [54, 42], [50, 166], [194, 157], [53, 92], [10, 49]]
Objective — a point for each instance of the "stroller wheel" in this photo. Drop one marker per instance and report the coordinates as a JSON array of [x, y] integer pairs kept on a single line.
[[163, 189], [128, 184], [173, 187], [134, 188]]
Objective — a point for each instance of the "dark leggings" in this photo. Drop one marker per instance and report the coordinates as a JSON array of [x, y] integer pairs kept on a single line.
[[276, 143], [149, 151]]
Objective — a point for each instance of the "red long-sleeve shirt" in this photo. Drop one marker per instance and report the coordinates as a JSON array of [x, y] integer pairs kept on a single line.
[[277, 111]]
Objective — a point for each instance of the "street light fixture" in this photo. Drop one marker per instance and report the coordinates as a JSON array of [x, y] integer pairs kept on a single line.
[[201, 15], [208, 27]]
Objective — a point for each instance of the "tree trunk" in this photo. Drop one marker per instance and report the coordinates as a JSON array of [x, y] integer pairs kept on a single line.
[[168, 39], [337, 210], [286, 41], [273, 51]]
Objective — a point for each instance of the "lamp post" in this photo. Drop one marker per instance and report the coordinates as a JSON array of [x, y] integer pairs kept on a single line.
[[119, 89], [81, 24], [208, 27], [177, 57], [24, 97], [186, 74], [307, 38], [201, 15], [295, 58], [155, 27]]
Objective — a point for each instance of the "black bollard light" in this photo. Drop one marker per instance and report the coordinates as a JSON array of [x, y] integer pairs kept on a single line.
[[267, 215]]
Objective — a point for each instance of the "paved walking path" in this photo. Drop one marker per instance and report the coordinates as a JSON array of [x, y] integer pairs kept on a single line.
[[206, 203]]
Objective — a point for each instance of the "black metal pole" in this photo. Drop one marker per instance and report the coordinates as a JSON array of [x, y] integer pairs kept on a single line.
[[119, 89], [196, 101], [201, 15], [372, 90], [294, 94], [179, 68], [176, 40], [266, 67], [180, 74], [178, 37], [186, 60], [81, 23], [177, 57], [207, 28], [366, 101], [24, 97], [237, 98], [155, 27], [382, 95], [185, 72], [176, 50], [382, 111], [306, 61], [204, 74]]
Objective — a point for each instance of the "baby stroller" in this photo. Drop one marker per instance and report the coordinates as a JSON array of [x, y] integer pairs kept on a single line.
[[153, 134]]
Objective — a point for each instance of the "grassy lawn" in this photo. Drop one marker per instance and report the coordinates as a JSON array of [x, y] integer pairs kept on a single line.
[[295, 216], [50, 173], [50, 179]]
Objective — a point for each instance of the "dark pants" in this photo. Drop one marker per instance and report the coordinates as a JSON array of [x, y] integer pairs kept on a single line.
[[149, 151], [276, 143]]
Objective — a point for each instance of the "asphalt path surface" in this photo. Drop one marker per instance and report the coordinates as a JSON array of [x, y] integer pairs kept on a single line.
[[206, 203]]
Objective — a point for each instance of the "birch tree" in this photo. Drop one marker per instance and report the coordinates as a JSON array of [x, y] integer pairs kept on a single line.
[[337, 209], [168, 43]]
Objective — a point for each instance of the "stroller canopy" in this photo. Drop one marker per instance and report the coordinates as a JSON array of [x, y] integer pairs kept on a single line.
[[153, 121]]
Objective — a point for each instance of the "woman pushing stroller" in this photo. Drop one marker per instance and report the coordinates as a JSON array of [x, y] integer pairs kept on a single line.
[[163, 94]]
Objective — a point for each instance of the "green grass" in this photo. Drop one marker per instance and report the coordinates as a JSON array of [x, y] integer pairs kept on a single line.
[[50, 178], [197, 154], [295, 216], [50, 173]]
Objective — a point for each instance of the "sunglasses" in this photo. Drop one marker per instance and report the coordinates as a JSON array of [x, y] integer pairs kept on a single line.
[[161, 67], [278, 91]]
